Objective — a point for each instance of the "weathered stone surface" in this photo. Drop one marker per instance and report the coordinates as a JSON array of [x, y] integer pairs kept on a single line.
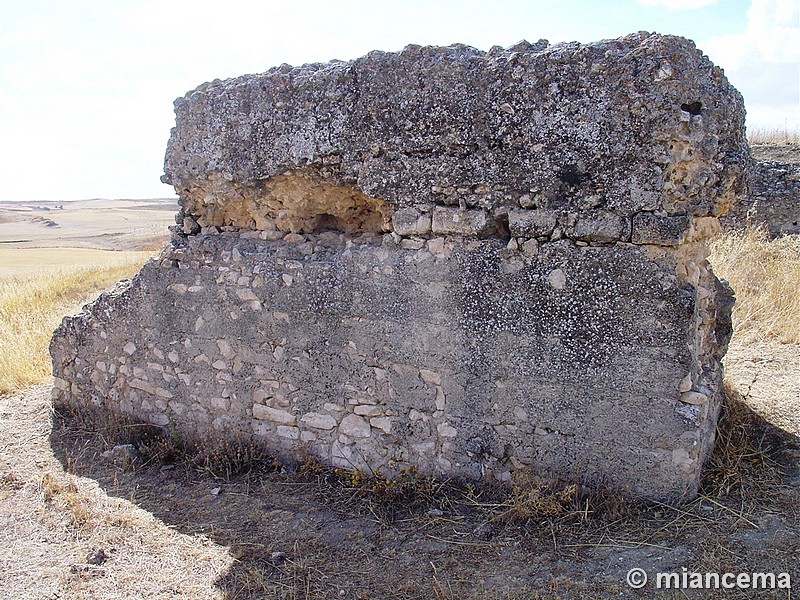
[[662, 231], [470, 262], [600, 226], [532, 223], [643, 123], [454, 221], [774, 199], [409, 221], [319, 421]]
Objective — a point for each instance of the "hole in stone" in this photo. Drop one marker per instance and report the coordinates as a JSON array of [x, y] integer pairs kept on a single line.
[[692, 108], [326, 222], [501, 224], [572, 176]]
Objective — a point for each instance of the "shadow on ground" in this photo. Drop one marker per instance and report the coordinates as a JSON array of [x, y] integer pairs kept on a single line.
[[316, 535]]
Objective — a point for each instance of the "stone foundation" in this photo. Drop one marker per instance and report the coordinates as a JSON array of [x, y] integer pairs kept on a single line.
[[473, 263]]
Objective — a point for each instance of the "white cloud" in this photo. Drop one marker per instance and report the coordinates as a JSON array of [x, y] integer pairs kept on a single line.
[[678, 4], [763, 62]]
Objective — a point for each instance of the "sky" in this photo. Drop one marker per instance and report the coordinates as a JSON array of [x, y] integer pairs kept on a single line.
[[86, 86]]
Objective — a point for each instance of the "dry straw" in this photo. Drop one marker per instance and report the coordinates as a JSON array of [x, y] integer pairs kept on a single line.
[[765, 275], [773, 135], [33, 304]]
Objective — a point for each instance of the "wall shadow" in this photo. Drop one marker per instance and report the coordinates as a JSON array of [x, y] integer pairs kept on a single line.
[[311, 535]]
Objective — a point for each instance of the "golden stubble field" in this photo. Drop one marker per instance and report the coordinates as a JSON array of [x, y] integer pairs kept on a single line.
[[53, 257], [78, 521], [95, 224]]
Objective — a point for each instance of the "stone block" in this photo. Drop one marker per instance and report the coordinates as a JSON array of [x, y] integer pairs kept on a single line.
[[532, 223], [658, 230], [455, 221]]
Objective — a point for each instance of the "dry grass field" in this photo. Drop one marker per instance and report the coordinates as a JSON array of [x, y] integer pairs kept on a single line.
[[53, 257], [79, 520], [773, 136], [38, 286], [765, 275]]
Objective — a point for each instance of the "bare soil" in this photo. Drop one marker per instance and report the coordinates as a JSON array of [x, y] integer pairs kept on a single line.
[[764, 373]]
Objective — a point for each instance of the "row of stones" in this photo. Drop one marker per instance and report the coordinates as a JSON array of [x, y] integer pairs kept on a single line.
[[543, 224], [599, 226], [774, 200]]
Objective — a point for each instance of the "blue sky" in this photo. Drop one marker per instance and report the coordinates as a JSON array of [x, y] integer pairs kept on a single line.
[[86, 87]]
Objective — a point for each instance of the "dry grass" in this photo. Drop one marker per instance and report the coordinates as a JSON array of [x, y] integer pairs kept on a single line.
[[33, 302], [773, 135], [747, 456], [765, 275]]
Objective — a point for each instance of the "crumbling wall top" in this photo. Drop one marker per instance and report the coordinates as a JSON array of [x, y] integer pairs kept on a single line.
[[641, 123]]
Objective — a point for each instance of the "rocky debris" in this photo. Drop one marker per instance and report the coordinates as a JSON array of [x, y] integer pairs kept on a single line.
[[783, 153], [97, 557], [473, 263], [123, 455], [278, 557]]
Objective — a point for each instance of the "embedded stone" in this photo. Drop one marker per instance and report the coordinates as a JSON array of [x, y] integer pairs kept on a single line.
[[446, 430], [409, 221], [382, 423], [246, 294], [430, 377], [267, 413], [367, 410], [355, 426], [288, 432], [143, 385], [599, 226], [532, 223], [658, 230], [693, 398], [455, 221], [318, 420]]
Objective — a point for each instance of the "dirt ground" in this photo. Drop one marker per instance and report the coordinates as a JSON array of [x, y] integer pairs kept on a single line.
[[789, 153], [764, 372]]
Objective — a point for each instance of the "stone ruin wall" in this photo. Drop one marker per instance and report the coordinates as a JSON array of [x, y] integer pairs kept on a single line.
[[473, 263], [774, 199]]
